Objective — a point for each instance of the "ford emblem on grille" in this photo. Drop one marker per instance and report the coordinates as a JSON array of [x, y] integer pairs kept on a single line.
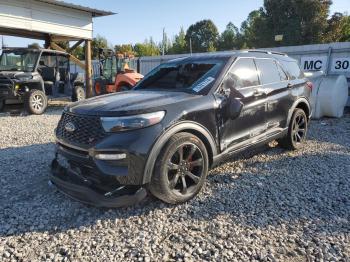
[[70, 127]]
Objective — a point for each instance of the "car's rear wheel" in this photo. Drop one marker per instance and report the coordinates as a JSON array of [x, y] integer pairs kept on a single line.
[[181, 169], [35, 102], [297, 131], [78, 94], [100, 87]]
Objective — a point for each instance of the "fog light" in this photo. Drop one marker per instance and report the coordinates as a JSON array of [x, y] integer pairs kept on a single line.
[[17, 87], [110, 157]]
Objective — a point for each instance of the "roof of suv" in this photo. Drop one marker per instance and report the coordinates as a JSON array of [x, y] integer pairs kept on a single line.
[[234, 54]]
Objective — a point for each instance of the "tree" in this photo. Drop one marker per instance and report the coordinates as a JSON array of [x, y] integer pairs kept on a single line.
[[203, 35], [179, 45], [338, 29], [148, 48], [254, 31], [124, 49], [300, 22], [97, 43], [228, 38], [63, 44], [166, 44], [79, 52], [34, 46]]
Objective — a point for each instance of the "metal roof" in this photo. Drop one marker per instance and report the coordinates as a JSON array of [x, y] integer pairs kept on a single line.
[[94, 12]]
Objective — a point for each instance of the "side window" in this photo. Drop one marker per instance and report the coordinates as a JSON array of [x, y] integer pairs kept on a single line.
[[268, 71], [47, 60], [293, 70], [244, 73], [283, 75]]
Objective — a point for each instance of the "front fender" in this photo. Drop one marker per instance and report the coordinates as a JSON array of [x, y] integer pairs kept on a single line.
[[185, 126]]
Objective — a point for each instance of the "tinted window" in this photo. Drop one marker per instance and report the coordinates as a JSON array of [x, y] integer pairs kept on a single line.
[[268, 71], [244, 73], [185, 76], [292, 69], [283, 75]]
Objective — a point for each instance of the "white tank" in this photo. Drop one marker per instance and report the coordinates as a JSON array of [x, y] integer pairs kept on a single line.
[[329, 95]]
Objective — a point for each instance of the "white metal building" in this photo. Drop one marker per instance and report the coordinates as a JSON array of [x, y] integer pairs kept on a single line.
[[51, 21]]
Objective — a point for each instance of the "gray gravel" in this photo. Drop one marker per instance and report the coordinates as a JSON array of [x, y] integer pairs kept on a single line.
[[272, 206]]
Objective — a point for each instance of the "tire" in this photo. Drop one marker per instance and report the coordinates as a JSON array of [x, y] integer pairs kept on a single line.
[[177, 182], [297, 131], [78, 94], [35, 102], [100, 88], [2, 105]]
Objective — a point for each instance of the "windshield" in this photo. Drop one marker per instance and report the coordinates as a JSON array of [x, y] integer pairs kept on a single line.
[[193, 77], [18, 60]]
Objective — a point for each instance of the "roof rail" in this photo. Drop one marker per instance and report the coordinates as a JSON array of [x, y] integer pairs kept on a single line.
[[266, 52], [278, 53]]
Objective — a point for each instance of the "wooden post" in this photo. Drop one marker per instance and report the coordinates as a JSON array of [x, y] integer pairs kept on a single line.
[[48, 41], [88, 69]]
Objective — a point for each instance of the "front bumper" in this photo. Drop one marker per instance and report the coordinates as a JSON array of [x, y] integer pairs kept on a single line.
[[68, 181]]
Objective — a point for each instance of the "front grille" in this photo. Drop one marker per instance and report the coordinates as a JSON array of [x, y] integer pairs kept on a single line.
[[5, 80], [88, 129]]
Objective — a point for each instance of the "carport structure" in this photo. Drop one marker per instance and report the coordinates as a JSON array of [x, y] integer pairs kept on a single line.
[[52, 21]]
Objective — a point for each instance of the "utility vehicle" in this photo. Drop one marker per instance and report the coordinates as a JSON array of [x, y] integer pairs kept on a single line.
[[32, 76], [117, 72]]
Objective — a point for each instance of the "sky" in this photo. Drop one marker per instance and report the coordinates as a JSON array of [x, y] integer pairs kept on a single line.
[[140, 19]]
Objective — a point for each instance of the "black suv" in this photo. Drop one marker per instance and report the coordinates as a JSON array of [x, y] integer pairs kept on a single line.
[[184, 117]]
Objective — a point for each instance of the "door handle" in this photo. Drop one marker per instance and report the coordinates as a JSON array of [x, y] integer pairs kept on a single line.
[[289, 86]]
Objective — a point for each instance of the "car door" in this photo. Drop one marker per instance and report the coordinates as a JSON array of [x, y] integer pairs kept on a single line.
[[245, 87], [278, 91]]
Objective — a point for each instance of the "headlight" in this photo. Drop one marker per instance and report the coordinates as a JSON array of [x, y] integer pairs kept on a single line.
[[24, 77], [125, 123]]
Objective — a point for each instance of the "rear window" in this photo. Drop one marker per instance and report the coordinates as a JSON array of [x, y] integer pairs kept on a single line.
[[293, 69], [268, 71]]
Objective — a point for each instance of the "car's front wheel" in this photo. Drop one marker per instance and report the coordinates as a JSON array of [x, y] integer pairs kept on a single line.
[[35, 102], [181, 169], [297, 131]]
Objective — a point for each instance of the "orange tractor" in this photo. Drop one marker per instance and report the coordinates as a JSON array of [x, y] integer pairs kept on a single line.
[[116, 73]]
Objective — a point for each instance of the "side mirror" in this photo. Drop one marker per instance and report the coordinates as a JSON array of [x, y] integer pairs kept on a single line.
[[235, 108], [228, 84]]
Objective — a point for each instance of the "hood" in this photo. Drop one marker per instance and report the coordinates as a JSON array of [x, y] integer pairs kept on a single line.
[[11, 74], [129, 103]]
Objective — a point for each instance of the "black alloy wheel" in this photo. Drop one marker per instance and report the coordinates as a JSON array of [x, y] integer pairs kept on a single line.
[[297, 131], [181, 169], [184, 169]]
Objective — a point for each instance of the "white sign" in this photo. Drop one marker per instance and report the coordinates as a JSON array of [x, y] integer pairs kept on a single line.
[[337, 65], [278, 38], [316, 63], [341, 65]]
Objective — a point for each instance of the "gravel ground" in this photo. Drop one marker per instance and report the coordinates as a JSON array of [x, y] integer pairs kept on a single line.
[[272, 205]]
